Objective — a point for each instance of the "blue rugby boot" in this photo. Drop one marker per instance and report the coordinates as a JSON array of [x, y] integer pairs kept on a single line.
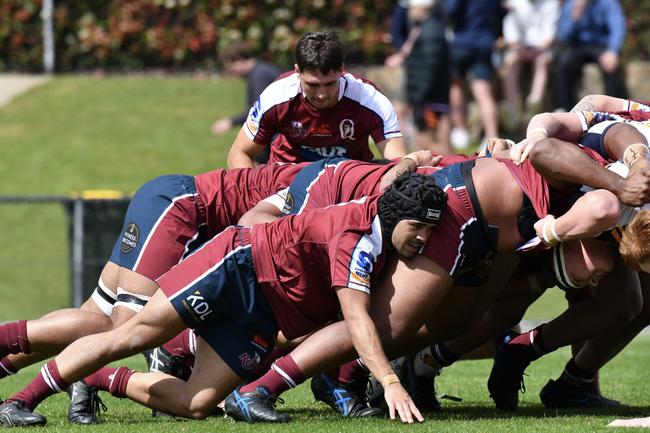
[[348, 400], [254, 406]]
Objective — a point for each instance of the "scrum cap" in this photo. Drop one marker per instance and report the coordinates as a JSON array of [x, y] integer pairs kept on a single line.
[[411, 196]]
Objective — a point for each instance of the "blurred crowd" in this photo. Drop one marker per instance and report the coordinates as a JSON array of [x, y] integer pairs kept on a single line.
[[515, 58]]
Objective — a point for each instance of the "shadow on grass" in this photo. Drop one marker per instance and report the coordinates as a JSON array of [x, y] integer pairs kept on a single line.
[[481, 412], [476, 412]]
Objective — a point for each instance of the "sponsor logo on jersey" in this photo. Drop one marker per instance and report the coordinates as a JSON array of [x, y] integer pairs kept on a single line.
[[346, 128], [327, 152], [288, 204], [249, 362], [197, 306], [295, 130], [322, 130], [362, 268], [252, 126], [253, 119], [130, 238]]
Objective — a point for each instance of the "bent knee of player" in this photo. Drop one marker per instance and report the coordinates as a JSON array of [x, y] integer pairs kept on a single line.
[[201, 405]]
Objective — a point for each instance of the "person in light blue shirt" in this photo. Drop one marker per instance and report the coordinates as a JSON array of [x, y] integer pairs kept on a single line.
[[588, 31]]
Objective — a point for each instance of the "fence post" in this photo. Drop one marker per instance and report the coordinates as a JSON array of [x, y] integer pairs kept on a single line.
[[77, 252]]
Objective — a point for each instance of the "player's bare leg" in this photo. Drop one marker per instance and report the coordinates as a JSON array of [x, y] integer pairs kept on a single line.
[[211, 381]]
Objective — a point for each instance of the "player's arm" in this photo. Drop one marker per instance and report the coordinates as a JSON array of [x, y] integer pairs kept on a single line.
[[565, 126], [354, 306], [265, 211], [392, 148], [243, 151], [408, 164], [591, 214], [600, 103], [561, 162]]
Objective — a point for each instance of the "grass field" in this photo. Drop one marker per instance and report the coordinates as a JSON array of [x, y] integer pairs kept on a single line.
[[79, 133], [624, 379]]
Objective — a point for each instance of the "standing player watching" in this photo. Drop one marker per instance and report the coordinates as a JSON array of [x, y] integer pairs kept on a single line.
[[318, 111]]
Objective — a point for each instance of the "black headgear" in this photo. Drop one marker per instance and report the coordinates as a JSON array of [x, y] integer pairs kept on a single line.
[[411, 196]]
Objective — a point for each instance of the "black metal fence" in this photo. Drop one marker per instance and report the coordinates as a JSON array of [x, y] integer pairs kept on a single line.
[[94, 220]]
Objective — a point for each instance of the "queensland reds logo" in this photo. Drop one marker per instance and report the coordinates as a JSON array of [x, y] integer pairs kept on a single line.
[[130, 238], [295, 129], [346, 128]]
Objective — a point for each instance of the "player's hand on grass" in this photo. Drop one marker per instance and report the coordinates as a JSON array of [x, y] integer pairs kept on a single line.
[[400, 402]]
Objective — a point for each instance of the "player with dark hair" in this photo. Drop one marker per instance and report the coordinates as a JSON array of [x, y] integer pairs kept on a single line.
[[243, 286], [461, 246], [317, 111]]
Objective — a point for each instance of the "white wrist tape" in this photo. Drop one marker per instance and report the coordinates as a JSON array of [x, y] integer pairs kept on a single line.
[[554, 238], [537, 131], [635, 152]]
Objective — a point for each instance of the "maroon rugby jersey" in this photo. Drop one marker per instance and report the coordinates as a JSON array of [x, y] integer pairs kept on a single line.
[[351, 180], [545, 199], [299, 259], [309, 134], [228, 194]]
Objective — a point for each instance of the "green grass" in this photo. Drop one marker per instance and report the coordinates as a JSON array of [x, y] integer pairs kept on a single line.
[[79, 133], [621, 379]]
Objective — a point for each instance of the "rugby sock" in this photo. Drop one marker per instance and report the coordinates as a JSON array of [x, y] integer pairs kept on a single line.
[[181, 344], [113, 380], [48, 382], [13, 338], [531, 344], [265, 365], [440, 354], [7, 368], [284, 374], [576, 375], [349, 372]]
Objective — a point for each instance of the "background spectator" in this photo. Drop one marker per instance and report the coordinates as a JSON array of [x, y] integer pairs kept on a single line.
[[528, 32], [427, 76], [588, 31], [238, 61], [474, 23], [399, 35]]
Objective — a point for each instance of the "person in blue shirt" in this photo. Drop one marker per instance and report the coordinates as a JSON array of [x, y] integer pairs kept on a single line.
[[588, 31], [476, 24]]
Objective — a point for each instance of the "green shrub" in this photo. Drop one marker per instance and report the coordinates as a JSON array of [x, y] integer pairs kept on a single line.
[[132, 34]]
